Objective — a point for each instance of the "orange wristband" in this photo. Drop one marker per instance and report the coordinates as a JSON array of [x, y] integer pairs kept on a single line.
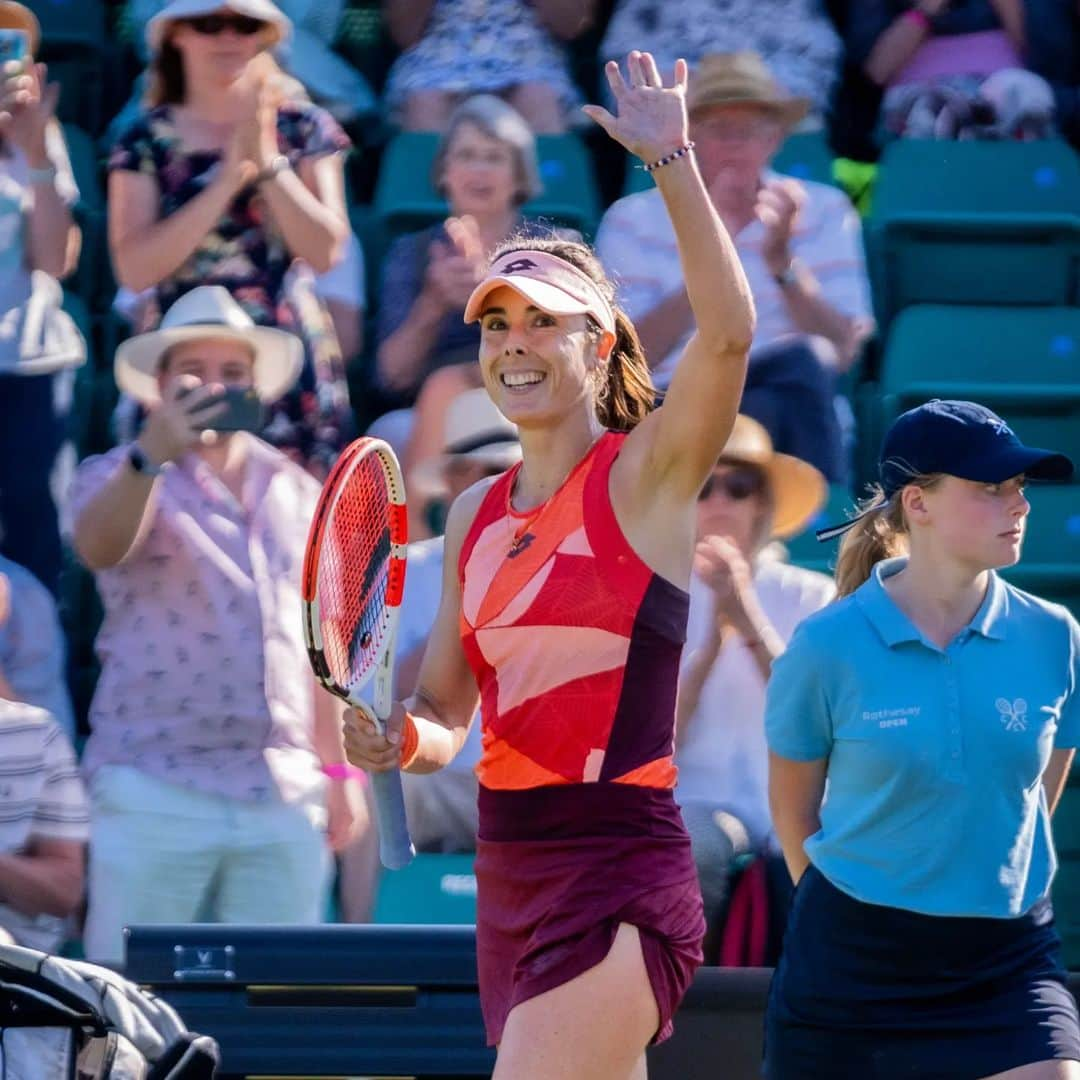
[[410, 741]]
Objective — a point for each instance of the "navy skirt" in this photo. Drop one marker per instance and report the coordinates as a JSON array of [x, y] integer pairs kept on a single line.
[[880, 993]]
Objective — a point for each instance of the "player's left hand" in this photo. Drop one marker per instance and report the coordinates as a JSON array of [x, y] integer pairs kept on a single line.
[[651, 118], [347, 814]]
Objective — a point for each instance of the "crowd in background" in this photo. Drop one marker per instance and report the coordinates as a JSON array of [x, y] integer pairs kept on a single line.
[[212, 783]]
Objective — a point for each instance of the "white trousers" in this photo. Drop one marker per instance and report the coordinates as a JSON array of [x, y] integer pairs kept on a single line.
[[162, 854]]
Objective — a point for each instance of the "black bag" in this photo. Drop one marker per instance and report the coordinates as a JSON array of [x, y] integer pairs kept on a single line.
[[69, 1020]]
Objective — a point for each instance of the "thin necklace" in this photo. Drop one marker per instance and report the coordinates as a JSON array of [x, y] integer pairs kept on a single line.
[[522, 536]]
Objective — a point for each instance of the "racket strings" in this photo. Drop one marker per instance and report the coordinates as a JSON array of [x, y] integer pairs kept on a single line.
[[354, 573]]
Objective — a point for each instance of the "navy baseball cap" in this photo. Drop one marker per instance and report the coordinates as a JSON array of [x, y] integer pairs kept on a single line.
[[959, 438]]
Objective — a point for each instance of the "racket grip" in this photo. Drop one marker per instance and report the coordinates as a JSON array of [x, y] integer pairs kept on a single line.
[[395, 847]]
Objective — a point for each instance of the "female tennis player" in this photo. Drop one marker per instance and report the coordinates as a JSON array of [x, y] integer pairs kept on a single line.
[[565, 602], [941, 706]]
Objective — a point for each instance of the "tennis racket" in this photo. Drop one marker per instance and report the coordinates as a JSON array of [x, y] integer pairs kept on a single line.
[[354, 574]]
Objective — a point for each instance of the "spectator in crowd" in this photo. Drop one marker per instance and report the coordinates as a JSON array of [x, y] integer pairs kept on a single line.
[[222, 180], [207, 728], [950, 68], [486, 166], [800, 245], [745, 602], [39, 344], [306, 55], [795, 38], [479, 442], [32, 647], [1053, 38], [44, 826], [455, 48]]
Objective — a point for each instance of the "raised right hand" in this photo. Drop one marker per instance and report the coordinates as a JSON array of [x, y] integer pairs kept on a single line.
[[365, 747], [174, 425]]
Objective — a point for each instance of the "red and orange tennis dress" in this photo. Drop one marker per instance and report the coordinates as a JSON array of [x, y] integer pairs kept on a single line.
[[575, 644]]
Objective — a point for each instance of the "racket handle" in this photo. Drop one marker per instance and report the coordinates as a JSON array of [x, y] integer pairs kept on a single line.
[[395, 848]]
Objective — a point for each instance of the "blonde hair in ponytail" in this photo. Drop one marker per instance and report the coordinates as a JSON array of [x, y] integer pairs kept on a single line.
[[881, 534], [625, 395]]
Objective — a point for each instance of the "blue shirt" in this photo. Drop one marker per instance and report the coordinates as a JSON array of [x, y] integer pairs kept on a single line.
[[934, 801], [33, 655]]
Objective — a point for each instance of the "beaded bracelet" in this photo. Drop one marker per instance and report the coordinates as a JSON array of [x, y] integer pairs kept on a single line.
[[681, 152]]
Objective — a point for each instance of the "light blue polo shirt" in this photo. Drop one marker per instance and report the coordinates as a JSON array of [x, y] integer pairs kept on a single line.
[[934, 800]]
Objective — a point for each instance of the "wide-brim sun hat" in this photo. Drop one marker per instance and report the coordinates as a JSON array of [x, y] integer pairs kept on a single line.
[[797, 490], [263, 10], [550, 283], [742, 78], [209, 313], [15, 16], [475, 431]]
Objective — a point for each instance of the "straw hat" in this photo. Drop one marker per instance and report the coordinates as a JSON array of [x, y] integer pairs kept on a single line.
[[798, 489], [264, 10], [209, 312], [16, 17], [476, 431], [742, 78]]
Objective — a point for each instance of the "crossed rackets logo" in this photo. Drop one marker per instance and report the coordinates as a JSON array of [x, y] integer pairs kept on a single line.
[[1013, 714]]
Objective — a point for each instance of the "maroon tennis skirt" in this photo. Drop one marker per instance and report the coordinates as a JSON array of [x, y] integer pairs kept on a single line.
[[557, 870]]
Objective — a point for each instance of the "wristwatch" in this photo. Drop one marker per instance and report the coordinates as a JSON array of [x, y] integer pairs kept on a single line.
[[138, 460], [786, 276]]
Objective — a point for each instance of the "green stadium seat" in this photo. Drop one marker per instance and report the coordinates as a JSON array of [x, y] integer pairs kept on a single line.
[[406, 200], [92, 278], [432, 889], [804, 549], [1050, 565], [1021, 362], [73, 41], [975, 223], [804, 155]]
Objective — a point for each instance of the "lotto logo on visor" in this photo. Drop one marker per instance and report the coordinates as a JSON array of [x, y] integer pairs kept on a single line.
[[546, 281]]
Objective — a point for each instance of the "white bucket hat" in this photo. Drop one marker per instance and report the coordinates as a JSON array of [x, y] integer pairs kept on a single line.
[[209, 312], [475, 431], [188, 9]]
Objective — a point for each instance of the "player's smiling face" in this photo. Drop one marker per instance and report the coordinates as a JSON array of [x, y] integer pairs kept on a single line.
[[535, 365]]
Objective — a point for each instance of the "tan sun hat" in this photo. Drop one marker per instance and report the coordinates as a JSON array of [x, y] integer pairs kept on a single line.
[[798, 489], [17, 17], [475, 430], [209, 312], [263, 10], [742, 78]]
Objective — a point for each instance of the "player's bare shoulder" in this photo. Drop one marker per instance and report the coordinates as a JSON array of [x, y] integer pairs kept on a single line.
[[462, 514]]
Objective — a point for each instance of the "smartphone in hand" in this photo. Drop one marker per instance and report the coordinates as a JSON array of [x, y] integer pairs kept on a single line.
[[243, 411], [14, 45]]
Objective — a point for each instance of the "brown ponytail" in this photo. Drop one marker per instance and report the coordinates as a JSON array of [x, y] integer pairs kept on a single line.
[[626, 395], [881, 534]]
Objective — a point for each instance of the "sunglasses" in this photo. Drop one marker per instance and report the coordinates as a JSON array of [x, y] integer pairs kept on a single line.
[[211, 25], [737, 484]]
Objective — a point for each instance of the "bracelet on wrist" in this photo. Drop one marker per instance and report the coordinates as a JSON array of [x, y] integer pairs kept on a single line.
[[920, 18], [44, 174], [342, 770], [277, 165], [669, 158]]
